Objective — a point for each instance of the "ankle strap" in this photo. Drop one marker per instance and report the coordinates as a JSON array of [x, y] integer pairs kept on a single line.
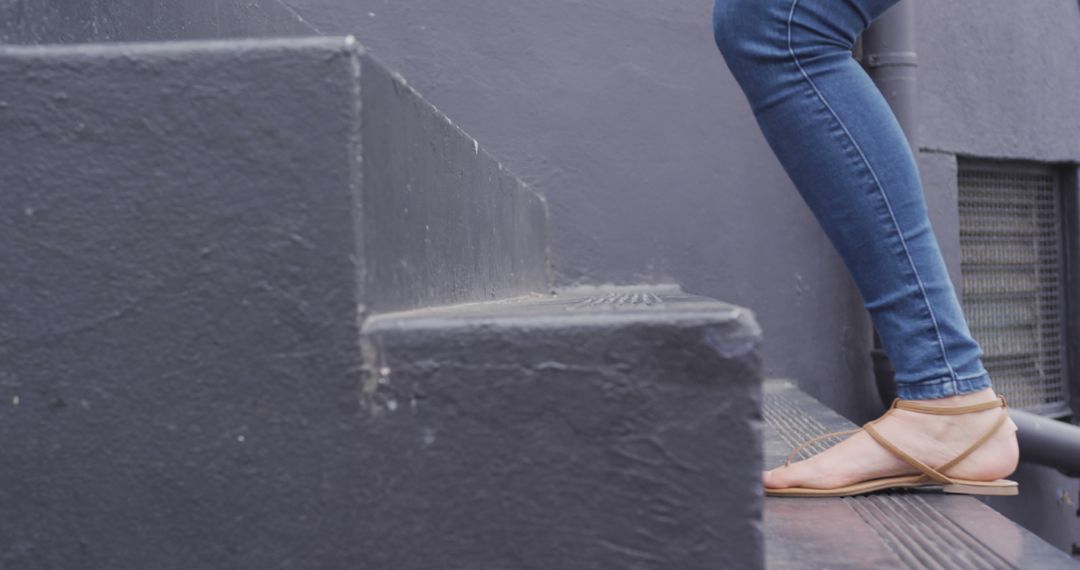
[[915, 406]]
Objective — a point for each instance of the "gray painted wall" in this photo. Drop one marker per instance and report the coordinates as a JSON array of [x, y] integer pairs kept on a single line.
[[1002, 80], [623, 116], [622, 113]]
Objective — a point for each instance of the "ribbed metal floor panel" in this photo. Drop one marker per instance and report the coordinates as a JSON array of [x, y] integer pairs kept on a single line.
[[891, 529]]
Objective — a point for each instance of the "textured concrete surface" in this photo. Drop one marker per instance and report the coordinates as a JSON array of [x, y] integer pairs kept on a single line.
[[442, 220], [182, 232], [60, 21], [178, 310], [1049, 508], [601, 428], [438, 219]]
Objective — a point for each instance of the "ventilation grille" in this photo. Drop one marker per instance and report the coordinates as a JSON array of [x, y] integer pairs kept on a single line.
[[1013, 290]]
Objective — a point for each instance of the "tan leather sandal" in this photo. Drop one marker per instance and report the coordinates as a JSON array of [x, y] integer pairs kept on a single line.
[[930, 477]]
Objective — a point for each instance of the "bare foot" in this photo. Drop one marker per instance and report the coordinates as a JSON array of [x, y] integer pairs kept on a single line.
[[930, 438]]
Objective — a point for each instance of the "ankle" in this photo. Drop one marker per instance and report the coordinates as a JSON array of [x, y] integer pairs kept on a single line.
[[977, 397]]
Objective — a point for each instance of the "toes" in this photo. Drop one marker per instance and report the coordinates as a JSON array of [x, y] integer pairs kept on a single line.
[[770, 480]]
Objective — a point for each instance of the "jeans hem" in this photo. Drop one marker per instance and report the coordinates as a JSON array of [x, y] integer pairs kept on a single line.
[[942, 387]]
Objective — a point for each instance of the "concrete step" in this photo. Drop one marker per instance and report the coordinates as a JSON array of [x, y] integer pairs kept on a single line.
[[282, 163], [191, 234], [599, 427], [890, 529], [214, 351], [147, 20]]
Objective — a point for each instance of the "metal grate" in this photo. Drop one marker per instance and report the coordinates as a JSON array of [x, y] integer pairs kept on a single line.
[[1013, 290]]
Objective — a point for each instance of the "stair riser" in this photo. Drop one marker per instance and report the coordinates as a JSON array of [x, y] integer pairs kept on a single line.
[[590, 446]]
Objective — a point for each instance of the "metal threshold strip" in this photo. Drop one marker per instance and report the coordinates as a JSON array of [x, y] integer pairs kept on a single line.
[[891, 529]]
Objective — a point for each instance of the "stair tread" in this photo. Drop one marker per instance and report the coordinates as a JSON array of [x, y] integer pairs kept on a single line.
[[634, 300], [890, 529]]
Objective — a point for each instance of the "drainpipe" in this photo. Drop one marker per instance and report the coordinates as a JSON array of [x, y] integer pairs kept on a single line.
[[886, 50], [888, 55], [1047, 441]]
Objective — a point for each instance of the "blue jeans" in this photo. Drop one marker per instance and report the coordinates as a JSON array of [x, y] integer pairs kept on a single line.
[[847, 156]]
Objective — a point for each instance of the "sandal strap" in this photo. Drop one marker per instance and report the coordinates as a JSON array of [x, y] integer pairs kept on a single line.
[[986, 436], [926, 469], [930, 472], [803, 445], [912, 405], [915, 406]]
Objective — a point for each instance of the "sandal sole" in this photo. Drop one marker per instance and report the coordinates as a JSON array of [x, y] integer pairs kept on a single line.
[[999, 487]]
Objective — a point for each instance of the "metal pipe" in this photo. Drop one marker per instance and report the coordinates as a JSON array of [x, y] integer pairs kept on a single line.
[[886, 50], [1048, 441], [888, 55]]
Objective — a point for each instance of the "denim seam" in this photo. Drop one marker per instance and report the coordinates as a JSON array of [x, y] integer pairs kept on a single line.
[[941, 380], [944, 380], [899, 233]]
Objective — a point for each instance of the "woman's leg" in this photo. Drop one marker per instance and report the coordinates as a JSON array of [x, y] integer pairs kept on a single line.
[[844, 150], [841, 145]]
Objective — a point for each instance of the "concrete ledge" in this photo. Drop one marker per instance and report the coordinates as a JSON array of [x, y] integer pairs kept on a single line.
[[611, 427], [274, 128], [37, 22]]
